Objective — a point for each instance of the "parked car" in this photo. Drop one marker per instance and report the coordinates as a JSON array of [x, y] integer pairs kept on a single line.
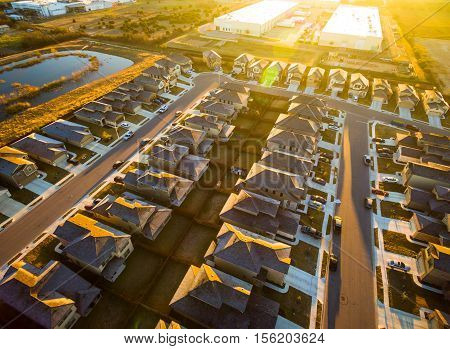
[[385, 155], [378, 140], [124, 124], [118, 179], [398, 265], [145, 141], [333, 127], [368, 202], [355, 98], [380, 192], [337, 224], [178, 113], [318, 199], [117, 164], [390, 179], [163, 109], [315, 204], [333, 262], [327, 155], [367, 160], [324, 159], [128, 135], [319, 180], [311, 231], [73, 160], [92, 204], [385, 150]]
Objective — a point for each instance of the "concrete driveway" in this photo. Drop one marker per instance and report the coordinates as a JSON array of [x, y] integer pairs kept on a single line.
[[405, 113], [10, 207], [38, 186], [376, 105]]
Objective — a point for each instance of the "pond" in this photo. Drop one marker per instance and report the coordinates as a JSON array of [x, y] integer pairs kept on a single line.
[[53, 68]]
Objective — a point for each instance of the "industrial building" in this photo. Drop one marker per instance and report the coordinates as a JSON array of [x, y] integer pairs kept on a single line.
[[354, 27], [255, 19]]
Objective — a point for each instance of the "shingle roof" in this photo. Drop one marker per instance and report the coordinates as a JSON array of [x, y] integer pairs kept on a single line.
[[11, 159], [287, 162], [297, 124], [67, 130], [35, 144]]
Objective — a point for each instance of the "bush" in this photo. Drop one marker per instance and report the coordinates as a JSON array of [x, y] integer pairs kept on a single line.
[[17, 107]]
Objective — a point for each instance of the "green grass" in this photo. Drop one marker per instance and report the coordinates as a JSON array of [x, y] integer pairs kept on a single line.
[[83, 154], [313, 218], [388, 166], [23, 195], [304, 256], [380, 294], [176, 90], [329, 136], [324, 266], [394, 187], [323, 170], [395, 211], [313, 191], [54, 173], [398, 243], [384, 131], [134, 118]]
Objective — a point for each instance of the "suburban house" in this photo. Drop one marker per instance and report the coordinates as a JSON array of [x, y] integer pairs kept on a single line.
[[315, 77], [417, 199], [131, 89], [69, 132], [287, 162], [381, 90], [432, 140], [121, 102], [310, 101], [176, 159], [169, 66], [159, 185], [215, 128], [336, 80], [295, 73], [242, 62], [359, 86], [434, 103], [213, 299], [424, 177], [224, 112], [249, 256], [291, 142], [184, 62], [277, 184], [429, 229], [275, 72], [407, 97], [260, 214], [256, 69], [438, 320], [152, 85], [307, 111], [16, 169], [133, 214], [100, 114], [52, 296], [298, 125], [194, 139], [160, 74], [94, 246], [42, 148], [236, 87], [237, 99], [433, 266], [212, 60]]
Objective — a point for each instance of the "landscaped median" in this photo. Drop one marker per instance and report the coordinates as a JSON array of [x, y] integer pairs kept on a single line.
[[34, 118]]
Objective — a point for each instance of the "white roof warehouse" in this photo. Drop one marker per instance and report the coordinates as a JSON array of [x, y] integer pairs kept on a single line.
[[355, 27], [255, 19]]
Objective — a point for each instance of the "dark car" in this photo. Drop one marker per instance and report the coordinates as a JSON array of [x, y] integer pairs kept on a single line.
[[337, 224], [318, 199], [145, 141], [311, 231], [319, 180], [380, 192], [92, 204], [333, 262], [117, 164], [118, 179], [378, 140], [73, 160]]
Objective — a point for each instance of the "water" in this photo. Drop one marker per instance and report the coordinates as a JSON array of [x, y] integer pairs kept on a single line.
[[53, 68]]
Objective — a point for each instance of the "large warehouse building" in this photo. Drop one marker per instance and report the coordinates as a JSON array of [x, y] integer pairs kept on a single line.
[[355, 27], [255, 19]]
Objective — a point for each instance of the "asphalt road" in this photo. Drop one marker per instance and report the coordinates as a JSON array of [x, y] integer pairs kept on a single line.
[[23, 231]]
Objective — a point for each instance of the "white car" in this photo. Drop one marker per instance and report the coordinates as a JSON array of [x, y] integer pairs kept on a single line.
[[398, 265], [333, 127], [128, 135], [315, 204], [390, 179], [163, 109], [124, 124]]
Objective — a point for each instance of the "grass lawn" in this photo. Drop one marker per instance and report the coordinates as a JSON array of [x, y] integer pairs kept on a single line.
[[193, 204], [223, 155], [419, 113], [159, 296], [143, 318], [304, 256], [43, 253], [313, 191], [395, 211], [23, 195], [375, 237], [319, 314], [54, 173], [329, 224], [83, 154], [3, 218], [388, 166], [384, 131], [405, 295], [327, 151], [142, 266], [209, 214], [324, 266], [294, 305], [111, 188], [176, 90], [194, 245], [397, 243], [380, 294], [395, 187], [135, 118], [323, 170], [110, 312], [329, 136], [107, 134], [313, 218], [134, 165]]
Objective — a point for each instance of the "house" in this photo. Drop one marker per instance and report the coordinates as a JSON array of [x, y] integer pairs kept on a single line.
[[307, 111], [406, 154], [130, 88], [224, 112], [249, 256], [176, 159], [242, 62], [315, 77], [169, 66], [94, 246], [406, 140], [381, 90], [310, 101], [277, 184], [16, 169], [184, 62], [215, 128], [359, 86], [213, 60], [434, 103], [407, 97], [236, 87], [69, 132], [417, 199], [41, 148], [121, 102], [160, 74], [210, 298], [433, 266], [260, 214], [291, 142], [275, 72], [298, 125], [439, 320], [256, 69], [424, 177], [287, 162], [432, 140], [336, 80], [152, 85], [159, 185], [238, 100], [99, 113], [52, 296], [195, 140], [133, 214], [295, 73], [429, 229]]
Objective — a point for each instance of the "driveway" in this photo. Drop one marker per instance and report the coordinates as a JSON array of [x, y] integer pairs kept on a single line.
[[376, 105], [405, 113], [435, 121], [10, 207], [38, 186]]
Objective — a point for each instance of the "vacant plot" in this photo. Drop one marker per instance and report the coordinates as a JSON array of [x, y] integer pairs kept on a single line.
[[398, 243], [261, 130], [388, 166], [395, 211], [43, 253], [304, 256], [194, 202], [143, 318], [209, 214], [270, 116], [313, 218], [245, 123], [246, 160]]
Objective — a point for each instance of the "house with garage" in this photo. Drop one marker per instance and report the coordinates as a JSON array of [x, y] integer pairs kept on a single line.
[[287, 162], [298, 125], [242, 62], [196, 140], [295, 73], [160, 74], [174, 69], [121, 102], [216, 129], [237, 99], [224, 112], [41, 148], [212, 60], [381, 90], [315, 77], [433, 266], [184, 62], [291, 142], [307, 111], [359, 86], [434, 103], [16, 169], [152, 85], [429, 229], [69, 132], [336, 81], [407, 97], [275, 72], [424, 177], [256, 69]]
